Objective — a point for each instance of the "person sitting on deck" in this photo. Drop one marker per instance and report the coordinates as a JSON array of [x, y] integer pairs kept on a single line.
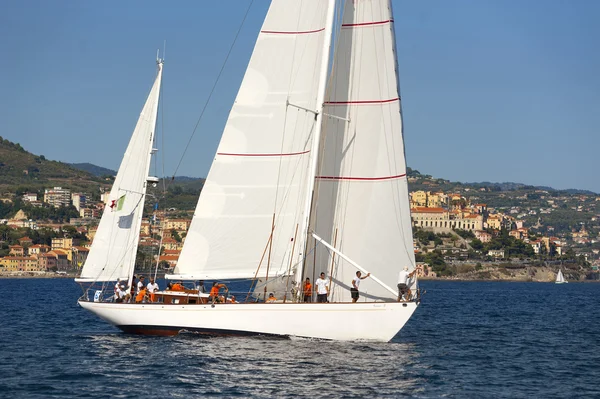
[[117, 289], [152, 287], [122, 295], [200, 287], [178, 286], [142, 296], [271, 298], [231, 299], [214, 292]]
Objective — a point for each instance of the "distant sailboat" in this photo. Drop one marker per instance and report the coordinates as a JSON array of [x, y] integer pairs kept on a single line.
[[560, 279], [309, 178]]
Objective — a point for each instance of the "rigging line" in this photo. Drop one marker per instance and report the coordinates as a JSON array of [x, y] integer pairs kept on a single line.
[[212, 90]]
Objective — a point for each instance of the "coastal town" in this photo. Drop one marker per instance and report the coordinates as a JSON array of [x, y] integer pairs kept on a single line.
[[456, 234]]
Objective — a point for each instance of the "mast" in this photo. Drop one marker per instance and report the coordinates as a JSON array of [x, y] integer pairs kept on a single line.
[[317, 135]]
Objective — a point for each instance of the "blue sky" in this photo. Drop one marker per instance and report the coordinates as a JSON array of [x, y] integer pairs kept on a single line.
[[504, 90]]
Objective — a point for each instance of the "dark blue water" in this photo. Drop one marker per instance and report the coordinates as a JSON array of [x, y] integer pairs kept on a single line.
[[466, 340]]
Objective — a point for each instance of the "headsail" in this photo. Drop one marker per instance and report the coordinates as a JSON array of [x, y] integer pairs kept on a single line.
[[259, 175], [114, 248], [362, 205]]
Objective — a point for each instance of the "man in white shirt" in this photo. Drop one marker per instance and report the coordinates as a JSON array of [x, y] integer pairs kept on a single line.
[[355, 284], [403, 282], [152, 287], [141, 284], [322, 285]]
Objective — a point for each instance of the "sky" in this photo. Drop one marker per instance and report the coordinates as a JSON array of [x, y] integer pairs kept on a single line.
[[500, 91]]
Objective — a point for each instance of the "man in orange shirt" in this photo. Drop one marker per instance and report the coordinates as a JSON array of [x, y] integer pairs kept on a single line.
[[214, 292], [178, 286], [142, 295], [307, 290]]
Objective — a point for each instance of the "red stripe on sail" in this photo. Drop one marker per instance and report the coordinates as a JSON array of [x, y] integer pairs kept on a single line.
[[292, 33], [360, 178], [262, 155], [368, 23], [362, 102]]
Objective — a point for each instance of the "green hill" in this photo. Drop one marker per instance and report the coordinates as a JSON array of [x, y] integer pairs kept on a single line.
[[23, 171]]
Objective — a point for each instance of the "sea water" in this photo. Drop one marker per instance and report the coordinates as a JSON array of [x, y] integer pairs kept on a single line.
[[466, 340]]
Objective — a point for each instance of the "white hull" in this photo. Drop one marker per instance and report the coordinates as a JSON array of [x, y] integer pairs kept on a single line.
[[335, 321]]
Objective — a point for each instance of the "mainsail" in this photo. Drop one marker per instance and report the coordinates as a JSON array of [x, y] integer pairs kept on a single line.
[[248, 211], [114, 248], [362, 206]]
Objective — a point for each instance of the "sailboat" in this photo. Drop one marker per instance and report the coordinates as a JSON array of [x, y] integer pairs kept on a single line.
[[560, 279], [309, 177]]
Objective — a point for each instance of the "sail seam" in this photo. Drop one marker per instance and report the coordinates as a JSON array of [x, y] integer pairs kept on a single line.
[[363, 101], [302, 32], [368, 23], [263, 155], [360, 178]]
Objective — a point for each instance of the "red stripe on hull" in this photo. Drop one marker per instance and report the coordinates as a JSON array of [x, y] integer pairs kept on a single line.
[[167, 331]]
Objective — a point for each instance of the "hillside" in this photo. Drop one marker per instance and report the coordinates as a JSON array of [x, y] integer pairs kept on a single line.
[[23, 171], [95, 170]]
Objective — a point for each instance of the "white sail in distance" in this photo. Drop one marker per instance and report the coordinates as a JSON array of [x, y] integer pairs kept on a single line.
[[258, 178], [114, 248], [362, 204]]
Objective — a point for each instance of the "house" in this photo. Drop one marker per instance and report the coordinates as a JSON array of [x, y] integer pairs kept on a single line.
[[58, 243], [496, 253], [38, 249], [16, 250], [25, 241], [483, 236]]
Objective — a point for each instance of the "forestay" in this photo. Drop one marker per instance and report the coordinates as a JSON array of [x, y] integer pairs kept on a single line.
[[361, 185], [260, 169], [114, 248]]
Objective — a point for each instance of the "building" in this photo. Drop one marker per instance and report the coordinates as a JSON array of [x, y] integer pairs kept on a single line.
[[62, 259], [176, 224], [30, 197], [424, 270], [430, 217], [79, 256], [89, 213], [58, 243], [20, 264], [25, 241], [57, 196], [16, 250], [418, 199], [47, 262], [496, 253], [171, 244], [79, 201], [494, 222], [483, 236], [38, 249]]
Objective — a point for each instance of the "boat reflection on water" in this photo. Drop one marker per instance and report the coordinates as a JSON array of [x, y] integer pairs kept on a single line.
[[258, 366]]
